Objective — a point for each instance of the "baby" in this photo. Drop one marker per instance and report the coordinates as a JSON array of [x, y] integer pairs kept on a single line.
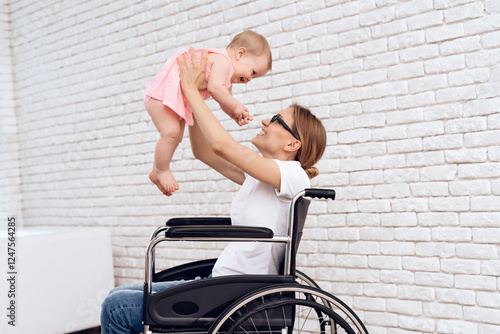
[[248, 56]]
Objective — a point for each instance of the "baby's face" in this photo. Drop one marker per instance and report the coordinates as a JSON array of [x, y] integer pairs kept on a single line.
[[248, 67]]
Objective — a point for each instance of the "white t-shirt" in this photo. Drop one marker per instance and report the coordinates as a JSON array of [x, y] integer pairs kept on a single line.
[[260, 204]]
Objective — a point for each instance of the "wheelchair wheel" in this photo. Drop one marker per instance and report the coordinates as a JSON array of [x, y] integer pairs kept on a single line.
[[302, 278], [288, 308]]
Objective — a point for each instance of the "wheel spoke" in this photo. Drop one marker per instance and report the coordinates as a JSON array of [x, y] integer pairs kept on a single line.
[[290, 309]]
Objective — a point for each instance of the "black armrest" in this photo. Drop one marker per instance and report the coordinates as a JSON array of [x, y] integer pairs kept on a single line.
[[188, 221], [246, 232]]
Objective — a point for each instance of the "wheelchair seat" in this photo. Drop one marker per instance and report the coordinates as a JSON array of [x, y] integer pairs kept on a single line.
[[240, 303]]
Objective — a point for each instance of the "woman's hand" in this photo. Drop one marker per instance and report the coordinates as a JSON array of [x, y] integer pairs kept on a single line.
[[192, 73]]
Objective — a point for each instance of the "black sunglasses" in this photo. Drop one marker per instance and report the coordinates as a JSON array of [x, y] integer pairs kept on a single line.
[[280, 120]]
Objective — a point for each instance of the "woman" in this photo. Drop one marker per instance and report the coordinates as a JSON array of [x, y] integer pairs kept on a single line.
[[290, 143]]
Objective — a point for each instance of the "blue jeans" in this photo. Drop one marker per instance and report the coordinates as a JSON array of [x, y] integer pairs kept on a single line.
[[121, 311]]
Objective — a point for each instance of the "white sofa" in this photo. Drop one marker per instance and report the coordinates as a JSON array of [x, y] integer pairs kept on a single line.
[[63, 275]]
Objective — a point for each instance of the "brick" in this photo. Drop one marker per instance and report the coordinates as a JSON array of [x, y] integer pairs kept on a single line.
[[429, 82], [388, 161], [353, 8], [363, 275], [479, 170], [405, 71], [481, 25], [412, 234], [391, 191], [426, 189], [362, 219], [494, 121], [401, 175], [380, 60], [438, 219], [366, 148], [388, 29], [382, 15], [416, 100], [487, 329], [425, 20], [443, 33], [460, 46], [451, 234], [415, 293], [456, 94], [488, 90], [485, 235], [427, 159], [460, 266], [369, 77], [441, 250], [369, 303], [468, 11], [481, 58], [481, 107], [397, 248], [406, 40], [480, 219], [423, 52], [442, 311], [466, 155], [389, 89], [400, 146], [405, 116], [374, 206], [449, 204], [485, 203], [354, 36], [470, 187], [351, 261], [381, 319], [487, 252], [369, 48], [408, 307], [456, 296], [492, 6], [356, 192], [411, 8], [464, 125], [491, 267], [354, 136], [343, 25], [438, 173], [325, 15], [475, 282], [398, 219], [490, 316]]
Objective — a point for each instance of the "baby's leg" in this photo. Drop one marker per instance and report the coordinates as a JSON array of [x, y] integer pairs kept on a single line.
[[171, 130]]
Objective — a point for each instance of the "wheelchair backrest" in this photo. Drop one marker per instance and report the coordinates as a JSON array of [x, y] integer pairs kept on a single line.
[[298, 222]]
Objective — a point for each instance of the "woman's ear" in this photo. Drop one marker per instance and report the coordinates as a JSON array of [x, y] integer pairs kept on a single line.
[[240, 52], [294, 146]]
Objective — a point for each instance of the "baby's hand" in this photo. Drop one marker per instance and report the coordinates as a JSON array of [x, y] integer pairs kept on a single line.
[[239, 111], [244, 119]]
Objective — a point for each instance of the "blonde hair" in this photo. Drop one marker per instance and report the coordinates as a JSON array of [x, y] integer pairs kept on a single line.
[[255, 44], [312, 135]]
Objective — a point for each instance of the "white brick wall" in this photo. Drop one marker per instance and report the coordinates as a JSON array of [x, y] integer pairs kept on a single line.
[[10, 191], [408, 90]]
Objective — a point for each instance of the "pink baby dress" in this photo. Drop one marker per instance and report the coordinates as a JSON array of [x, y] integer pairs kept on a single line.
[[166, 86]]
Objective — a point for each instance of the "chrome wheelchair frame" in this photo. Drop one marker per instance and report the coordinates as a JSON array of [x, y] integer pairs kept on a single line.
[[246, 304]]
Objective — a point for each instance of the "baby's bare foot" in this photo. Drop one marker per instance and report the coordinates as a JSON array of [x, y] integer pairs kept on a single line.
[[165, 181]]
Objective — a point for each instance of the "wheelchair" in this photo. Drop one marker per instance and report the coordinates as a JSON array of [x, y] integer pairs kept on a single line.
[[290, 302]]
